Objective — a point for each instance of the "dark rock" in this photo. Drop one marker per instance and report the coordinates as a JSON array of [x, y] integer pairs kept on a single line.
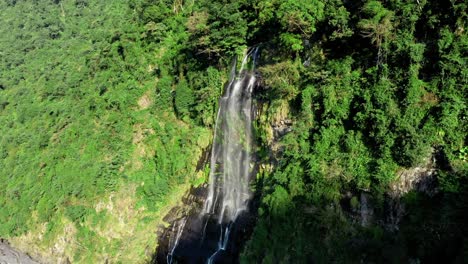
[[10, 255]]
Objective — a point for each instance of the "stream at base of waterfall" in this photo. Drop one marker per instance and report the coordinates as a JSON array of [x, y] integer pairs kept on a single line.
[[215, 234]]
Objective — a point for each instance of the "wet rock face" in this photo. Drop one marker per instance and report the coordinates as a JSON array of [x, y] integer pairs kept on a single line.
[[366, 211], [421, 179], [191, 203], [360, 206], [9, 255], [192, 246], [281, 128]]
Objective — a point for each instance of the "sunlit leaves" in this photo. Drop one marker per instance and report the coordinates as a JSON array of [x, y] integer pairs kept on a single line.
[[282, 78], [378, 27]]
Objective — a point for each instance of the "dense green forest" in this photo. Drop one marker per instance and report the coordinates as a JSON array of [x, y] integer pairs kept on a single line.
[[92, 155], [106, 109]]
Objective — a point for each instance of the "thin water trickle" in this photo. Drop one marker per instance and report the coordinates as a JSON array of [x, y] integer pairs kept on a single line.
[[180, 229]]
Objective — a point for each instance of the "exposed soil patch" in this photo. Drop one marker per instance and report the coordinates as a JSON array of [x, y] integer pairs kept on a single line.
[[145, 101]]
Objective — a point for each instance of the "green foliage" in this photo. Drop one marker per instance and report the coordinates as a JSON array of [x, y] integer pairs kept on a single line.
[[207, 87], [380, 25], [76, 213], [282, 79], [360, 113], [184, 98], [295, 20], [337, 17], [164, 92], [98, 96], [217, 28], [87, 108]]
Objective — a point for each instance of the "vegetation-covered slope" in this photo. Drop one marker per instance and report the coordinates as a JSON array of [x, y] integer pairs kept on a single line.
[[104, 105], [91, 155], [371, 88]]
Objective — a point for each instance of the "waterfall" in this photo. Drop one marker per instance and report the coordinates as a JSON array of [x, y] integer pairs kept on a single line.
[[229, 191], [206, 236], [231, 151]]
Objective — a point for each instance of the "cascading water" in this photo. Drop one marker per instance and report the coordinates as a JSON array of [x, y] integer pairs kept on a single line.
[[177, 229], [206, 237], [229, 191]]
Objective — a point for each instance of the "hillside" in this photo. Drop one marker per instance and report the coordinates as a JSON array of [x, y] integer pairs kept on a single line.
[[91, 155], [107, 109]]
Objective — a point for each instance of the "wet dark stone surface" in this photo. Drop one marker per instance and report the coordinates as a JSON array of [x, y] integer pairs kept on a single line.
[[194, 247], [9, 255]]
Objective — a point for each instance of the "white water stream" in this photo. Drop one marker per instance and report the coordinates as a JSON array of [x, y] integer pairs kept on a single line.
[[229, 191], [231, 161]]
